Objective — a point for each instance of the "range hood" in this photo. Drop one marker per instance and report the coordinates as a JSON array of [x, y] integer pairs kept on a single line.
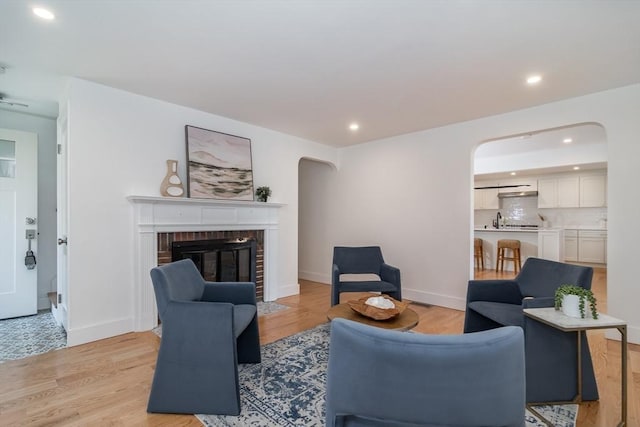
[[517, 194]]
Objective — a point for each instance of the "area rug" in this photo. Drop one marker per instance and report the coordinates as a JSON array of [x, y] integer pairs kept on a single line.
[[30, 335], [288, 388]]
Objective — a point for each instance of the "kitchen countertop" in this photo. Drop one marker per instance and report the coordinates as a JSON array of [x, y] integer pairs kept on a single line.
[[584, 227], [535, 230], [508, 230]]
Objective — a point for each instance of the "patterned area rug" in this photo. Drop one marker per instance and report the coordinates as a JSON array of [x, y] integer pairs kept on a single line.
[[288, 388], [30, 335]]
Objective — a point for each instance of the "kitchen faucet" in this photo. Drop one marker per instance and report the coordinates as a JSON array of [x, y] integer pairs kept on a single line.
[[498, 218]]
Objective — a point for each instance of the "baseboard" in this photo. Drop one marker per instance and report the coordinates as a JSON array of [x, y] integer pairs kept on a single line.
[[43, 302], [434, 299], [288, 290], [314, 277], [633, 334], [77, 336]]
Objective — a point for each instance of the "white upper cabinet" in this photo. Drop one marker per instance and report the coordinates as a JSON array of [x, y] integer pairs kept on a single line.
[[569, 192], [486, 198], [593, 191], [572, 191], [547, 193]]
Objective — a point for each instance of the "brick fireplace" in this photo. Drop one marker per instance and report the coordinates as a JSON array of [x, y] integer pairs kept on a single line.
[[165, 242], [157, 220]]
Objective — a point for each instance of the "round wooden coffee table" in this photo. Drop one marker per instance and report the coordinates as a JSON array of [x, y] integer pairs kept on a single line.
[[405, 321]]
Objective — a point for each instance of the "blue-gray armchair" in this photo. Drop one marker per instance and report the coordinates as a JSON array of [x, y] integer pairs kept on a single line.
[[207, 329], [363, 260], [378, 377], [551, 354]]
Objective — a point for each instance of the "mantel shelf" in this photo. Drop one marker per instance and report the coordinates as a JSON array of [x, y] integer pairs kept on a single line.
[[208, 202]]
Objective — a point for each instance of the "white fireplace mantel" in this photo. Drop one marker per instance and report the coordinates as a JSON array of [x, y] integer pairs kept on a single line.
[[153, 215]]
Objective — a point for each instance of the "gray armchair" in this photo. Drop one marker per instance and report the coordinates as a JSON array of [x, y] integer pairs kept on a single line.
[[207, 329], [363, 260], [379, 378], [550, 353]]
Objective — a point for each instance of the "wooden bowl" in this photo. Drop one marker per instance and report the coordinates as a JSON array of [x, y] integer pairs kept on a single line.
[[376, 313]]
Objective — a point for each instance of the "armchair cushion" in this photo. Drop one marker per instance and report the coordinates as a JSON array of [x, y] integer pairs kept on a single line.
[[367, 285], [499, 312], [243, 314]]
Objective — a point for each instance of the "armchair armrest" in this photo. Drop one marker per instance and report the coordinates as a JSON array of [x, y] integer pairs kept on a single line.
[[335, 274], [506, 291], [234, 293], [390, 274]]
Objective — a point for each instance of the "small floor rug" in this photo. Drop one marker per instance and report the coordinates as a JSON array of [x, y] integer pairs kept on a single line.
[[288, 388], [30, 335], [269, 307]]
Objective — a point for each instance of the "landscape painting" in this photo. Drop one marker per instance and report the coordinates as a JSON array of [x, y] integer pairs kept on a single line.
[[219, 165]]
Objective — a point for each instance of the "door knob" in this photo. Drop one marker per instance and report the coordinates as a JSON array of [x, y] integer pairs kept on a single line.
[[62, 241]]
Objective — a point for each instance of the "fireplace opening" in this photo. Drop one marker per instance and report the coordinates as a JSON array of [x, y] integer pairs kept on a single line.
[[220, 260]]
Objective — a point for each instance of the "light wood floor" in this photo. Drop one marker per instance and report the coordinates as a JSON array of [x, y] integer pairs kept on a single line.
[[107, 382]]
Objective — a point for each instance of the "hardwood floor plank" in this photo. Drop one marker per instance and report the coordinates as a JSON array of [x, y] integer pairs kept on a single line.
[[107, 382]]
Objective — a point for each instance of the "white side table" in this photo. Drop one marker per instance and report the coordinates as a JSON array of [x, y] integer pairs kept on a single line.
[[556, 319]]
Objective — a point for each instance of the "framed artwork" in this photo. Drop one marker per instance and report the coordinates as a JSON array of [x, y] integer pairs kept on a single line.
[[218, 165]]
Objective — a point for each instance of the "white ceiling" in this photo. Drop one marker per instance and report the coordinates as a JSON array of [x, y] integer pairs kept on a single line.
[[309, 68]]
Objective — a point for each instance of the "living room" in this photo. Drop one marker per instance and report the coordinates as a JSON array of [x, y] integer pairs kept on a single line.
[[408, 192]]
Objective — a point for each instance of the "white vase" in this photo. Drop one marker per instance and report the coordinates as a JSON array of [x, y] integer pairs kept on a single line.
[[571, 305]]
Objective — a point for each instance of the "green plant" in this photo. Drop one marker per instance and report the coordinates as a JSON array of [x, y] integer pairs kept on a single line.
[[583, 295], [263, 193]]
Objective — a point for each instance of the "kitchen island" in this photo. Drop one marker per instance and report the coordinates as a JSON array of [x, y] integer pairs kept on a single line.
[[540, 243]]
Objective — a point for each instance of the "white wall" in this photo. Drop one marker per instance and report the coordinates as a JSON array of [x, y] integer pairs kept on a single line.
[[118, 145], [317, 180], [412, 195], [46, 221]]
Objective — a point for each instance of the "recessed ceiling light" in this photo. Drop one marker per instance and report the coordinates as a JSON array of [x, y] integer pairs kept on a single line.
[[512, 173], [354, 126], [576, 168], [534, 79], [567, 140], [43, 13]]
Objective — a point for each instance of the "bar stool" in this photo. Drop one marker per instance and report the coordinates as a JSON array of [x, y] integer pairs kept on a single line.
[[478, 255], [503, 245]]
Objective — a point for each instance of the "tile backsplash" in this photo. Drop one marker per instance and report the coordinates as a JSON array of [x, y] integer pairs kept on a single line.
[[524, 211]]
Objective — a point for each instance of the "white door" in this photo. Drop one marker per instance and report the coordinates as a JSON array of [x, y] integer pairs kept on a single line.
[[61, 313], [18, 209]]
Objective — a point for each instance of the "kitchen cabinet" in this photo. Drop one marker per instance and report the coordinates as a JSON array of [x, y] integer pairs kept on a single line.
[[559, 192], [588, 246], [486, 198], [568, 192], [551, 244], [573, 191], [571, 245], [593, 191], [592, 246]]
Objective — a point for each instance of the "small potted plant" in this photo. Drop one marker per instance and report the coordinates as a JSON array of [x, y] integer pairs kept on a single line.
[[263, 193], [573, 301]]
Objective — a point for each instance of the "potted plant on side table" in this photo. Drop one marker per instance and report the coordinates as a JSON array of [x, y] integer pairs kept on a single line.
[[573, 301]]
